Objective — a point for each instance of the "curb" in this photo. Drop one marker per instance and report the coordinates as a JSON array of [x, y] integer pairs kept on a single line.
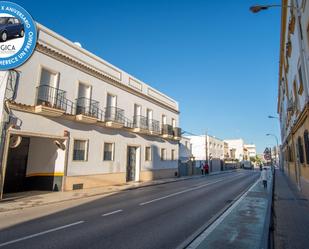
[[204, 227]]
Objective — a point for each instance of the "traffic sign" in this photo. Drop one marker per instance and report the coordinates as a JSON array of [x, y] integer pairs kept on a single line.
[[267, 157], [267, 151]]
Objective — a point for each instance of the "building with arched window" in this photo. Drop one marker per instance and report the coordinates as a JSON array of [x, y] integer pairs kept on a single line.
[[293, 92]]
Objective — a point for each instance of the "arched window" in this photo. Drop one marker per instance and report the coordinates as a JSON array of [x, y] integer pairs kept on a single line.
[[306, 140], [290, 154], [300, 150]]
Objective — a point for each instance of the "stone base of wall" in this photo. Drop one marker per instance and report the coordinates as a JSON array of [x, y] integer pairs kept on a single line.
[[157, 174], [92, 181], [101, 180]]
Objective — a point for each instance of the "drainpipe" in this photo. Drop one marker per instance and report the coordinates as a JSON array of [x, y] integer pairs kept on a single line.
[[66, 159]]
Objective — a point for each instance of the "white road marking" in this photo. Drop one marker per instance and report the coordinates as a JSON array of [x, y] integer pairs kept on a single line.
[[187, 190], [41, 233], [114, 212], [213, 226]]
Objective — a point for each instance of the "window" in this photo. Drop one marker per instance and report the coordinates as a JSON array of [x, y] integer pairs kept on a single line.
[[300, 150], [295, 94], [16, 21], [11, 21], [300, 77], [173, 155], [148, 154], [137, 110], [84, 91], [111, 100], [306, 140], [108, 152], [173, 122], [163, 154], [186, 144], [163, 119], [48, 78], [80, 150]]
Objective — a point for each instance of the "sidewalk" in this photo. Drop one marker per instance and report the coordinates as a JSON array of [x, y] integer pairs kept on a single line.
[[291, 215], [244, 225], [35, 198]]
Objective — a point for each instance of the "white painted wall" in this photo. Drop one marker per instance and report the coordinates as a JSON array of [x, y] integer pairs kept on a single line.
[[215, 147], [251, 150], [97, 136], [185, 149], [238, 145], [44, 156]]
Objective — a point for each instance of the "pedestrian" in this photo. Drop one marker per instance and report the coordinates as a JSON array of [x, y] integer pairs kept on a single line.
[[264, 177], [206, 168], [202, 168]]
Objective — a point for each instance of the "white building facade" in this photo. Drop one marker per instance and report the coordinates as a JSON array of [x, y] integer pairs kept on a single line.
[[208, 148], [251, 148], [236, 148], [76, 121], [185, 153]]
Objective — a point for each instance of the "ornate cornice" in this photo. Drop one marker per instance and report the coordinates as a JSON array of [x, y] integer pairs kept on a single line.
[[57, 55]]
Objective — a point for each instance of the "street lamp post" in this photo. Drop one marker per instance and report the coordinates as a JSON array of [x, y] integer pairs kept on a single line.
[[258, 8]]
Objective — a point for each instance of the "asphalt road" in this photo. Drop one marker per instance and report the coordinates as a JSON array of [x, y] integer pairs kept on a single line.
[[161, 216]]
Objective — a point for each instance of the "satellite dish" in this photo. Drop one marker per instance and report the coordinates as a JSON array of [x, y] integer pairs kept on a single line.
[[59, 144], [15, 141]]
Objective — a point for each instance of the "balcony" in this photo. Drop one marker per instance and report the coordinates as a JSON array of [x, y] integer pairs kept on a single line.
[[154, 127], [140, 124], [50, 101], [177, 133], [167, 131], [114, 117], [87, 110]]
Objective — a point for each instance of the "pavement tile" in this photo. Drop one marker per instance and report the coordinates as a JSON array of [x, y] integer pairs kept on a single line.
[[291, 215]]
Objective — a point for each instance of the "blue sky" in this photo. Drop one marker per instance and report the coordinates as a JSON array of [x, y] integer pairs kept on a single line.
[[218, 60]]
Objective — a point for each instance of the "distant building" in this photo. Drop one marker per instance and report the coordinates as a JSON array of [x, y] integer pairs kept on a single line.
[[251, 150], [236, 148], [226, 150], [185, 153], [208, 148]]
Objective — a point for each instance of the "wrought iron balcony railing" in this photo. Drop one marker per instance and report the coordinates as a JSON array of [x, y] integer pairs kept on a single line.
[[114, 114], [51, 97], [140, 122], [177, 132], [87, 107], [154, 126], [167, 130], [128, 123]]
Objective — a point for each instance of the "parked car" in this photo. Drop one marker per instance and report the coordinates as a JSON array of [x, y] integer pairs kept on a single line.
[[11, 27]]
